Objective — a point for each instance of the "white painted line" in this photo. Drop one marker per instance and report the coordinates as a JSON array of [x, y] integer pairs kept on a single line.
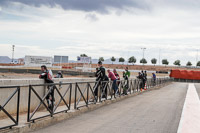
[[190, 118]]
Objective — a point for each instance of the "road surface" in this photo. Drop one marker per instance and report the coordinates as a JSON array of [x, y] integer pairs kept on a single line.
[[157, 111]]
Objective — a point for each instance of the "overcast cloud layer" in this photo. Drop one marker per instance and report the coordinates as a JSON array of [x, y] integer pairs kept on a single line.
[[83, 5], [101, 28]]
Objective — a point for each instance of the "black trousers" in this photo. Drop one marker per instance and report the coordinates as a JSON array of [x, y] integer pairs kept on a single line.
[[99, 85]]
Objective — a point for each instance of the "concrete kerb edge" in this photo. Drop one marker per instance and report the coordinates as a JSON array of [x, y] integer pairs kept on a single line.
[[64, 116]]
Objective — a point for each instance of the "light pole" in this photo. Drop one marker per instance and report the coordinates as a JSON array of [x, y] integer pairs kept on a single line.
[[61, 62], [143, 51], [197, 56], [13, 49], [143, 54], [159, 56]]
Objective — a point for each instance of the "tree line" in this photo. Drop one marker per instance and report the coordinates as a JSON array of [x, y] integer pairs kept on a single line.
[[133, 60]]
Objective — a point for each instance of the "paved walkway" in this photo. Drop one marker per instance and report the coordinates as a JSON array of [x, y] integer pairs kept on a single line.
[[157, 111]]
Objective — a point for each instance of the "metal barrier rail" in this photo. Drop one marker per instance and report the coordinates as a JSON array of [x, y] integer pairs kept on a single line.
[[104, 91], [2, 107], [88, 88], [42, 100]]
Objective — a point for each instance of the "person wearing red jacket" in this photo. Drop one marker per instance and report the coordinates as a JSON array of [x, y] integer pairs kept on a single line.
[[112, 76]]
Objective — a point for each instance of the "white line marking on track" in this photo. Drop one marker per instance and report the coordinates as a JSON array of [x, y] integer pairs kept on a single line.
[[190, 118]]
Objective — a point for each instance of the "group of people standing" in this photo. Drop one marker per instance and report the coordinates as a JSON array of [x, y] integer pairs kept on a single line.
[[101, 79], [142, 76]]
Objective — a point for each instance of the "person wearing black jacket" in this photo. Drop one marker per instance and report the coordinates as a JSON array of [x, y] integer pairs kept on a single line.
[[145, 79], [48, 79], [59, 75], [100, 77], [141, 80]]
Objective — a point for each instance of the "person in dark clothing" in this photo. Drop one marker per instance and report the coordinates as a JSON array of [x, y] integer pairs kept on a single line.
[[141, 80], [59, 75], [145, 79], [100, 77], [154, 78], [126, 76], [48, 79], [125, 87]]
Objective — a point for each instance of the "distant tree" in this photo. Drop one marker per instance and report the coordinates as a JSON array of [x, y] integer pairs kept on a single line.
[[154, 61], [165, 62], [198, 63], [83, 55], [177, 62], [143, 61], [113, 59], [101, 59], [132, 59], [189, 63], [121, 59]]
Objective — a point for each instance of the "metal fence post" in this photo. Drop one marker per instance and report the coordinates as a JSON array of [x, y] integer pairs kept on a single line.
[[75, 96], [29, 102], [70, 95], [18, 103]]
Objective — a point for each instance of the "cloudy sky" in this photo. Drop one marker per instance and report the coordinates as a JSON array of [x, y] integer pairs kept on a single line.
[[105, 28]]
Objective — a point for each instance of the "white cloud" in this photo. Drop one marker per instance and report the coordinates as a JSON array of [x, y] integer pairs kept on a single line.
[[48, 31]]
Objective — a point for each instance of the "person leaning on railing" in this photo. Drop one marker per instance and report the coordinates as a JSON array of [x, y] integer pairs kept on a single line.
[[48, 79], [154, 77], [113, 78], [126, 75], [117, 76], [141, 79], [100, 77]]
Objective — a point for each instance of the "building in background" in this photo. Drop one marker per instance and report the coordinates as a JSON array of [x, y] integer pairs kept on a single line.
[[21, 61], [35, 61], [7, 60], [58, 59], [85, 60]]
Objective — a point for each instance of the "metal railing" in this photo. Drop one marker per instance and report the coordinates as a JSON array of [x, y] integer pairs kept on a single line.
[[51, 111], [89, 90], [84, 94], [2, 107], [106, 92]]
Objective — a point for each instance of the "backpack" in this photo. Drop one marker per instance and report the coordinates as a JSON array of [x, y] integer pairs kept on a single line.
[[50, 75]]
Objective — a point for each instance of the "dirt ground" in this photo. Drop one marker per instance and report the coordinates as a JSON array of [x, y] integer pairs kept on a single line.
[[28, 76]]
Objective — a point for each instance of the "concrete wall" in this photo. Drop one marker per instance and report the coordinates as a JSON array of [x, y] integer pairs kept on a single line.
[[11, 106], [38, 71]]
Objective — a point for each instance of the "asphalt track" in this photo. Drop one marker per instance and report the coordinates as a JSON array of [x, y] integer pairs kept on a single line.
[[157, 111]]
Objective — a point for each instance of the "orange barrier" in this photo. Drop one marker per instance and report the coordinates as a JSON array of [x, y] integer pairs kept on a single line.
[[185, 74], [65, 67]]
